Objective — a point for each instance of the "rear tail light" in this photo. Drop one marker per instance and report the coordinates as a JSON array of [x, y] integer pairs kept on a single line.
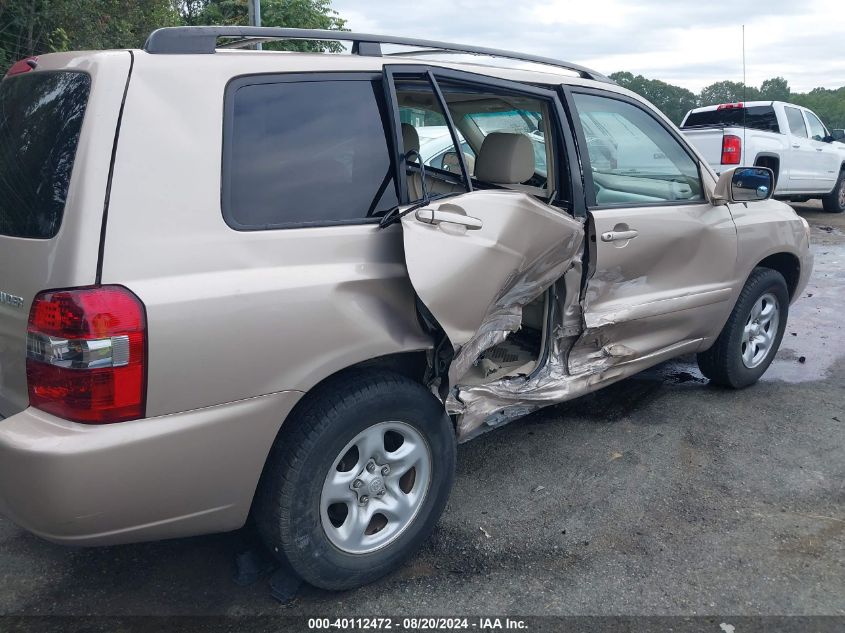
[[86, 354], [731, 149]]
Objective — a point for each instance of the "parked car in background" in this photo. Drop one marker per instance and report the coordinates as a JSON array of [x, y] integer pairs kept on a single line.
[[302, 323], [787, 138]]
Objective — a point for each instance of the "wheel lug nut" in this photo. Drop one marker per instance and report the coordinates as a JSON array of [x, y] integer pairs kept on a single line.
[[381, 493], [385, 470], [357, 483], [364, 499], [371, 467]]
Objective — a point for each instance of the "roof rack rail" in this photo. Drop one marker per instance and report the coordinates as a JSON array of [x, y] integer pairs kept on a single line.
[[203, 39]]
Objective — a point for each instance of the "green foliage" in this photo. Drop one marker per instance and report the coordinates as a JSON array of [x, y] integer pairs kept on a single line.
[[34, 27], [828, 104], [304, 14], [673, 101], [728, 92], [776, 89]]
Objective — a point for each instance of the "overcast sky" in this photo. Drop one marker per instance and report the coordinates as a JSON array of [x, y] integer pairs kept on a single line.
[[690, 43]]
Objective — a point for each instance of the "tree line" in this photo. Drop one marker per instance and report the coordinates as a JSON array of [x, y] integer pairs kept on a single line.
[[675, 101], [33, 27]]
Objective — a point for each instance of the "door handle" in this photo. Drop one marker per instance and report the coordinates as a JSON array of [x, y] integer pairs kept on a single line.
[[616, 236], [820, 149], [435, 217], [796, 147]]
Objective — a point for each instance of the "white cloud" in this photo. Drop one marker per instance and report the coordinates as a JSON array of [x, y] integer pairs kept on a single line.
[[687, 42]]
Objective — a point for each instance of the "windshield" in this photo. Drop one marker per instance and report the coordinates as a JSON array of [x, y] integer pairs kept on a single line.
[[40, 122]]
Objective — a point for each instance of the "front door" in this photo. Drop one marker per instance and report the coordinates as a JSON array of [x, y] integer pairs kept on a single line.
[[662, 257], [826, 158]]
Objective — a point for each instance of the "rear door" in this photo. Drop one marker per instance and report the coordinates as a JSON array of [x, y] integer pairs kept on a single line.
[[803, 158], [479, 251], [57, 130], [662, 258]]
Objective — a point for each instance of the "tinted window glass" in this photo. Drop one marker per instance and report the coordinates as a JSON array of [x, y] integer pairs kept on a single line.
[[307, 152], [40, 121], [796, 122], [755, 117], [633, 158]]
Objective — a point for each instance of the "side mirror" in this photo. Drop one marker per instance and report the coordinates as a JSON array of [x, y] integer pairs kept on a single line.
[[837, 135], [451, 162], [744, 184]]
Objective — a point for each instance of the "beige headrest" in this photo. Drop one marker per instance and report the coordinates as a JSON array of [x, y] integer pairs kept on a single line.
[[505, 158], [410, 138]]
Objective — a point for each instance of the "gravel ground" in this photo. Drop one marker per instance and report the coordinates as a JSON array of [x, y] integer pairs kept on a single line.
[[660, 495]]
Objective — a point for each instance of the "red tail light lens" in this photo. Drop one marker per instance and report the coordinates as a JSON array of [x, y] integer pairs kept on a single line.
[[86, 354], [22, 66], [731, 149]]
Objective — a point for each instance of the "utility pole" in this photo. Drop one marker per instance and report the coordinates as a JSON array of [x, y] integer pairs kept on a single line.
[[255, 16]]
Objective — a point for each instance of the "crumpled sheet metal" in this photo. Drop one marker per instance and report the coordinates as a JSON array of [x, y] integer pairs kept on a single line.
[[504, 315], [481, 408], [478, 406]]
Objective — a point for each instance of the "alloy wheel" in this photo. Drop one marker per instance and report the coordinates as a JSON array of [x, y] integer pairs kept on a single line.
[[375, 487], [761, 327]]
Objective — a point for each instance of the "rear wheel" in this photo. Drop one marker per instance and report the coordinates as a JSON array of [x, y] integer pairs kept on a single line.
[[357, 479], [751, 337], [834, 202]]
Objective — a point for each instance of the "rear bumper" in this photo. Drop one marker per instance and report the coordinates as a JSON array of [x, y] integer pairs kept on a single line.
[[176, 475]]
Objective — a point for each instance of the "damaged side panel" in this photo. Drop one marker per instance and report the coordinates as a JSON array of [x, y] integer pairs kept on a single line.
[[642, 301], [475, 282]]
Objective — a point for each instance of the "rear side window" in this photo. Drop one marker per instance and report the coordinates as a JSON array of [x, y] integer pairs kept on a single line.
[[796, 122], [306, 153], [40, 121], [754, 117]]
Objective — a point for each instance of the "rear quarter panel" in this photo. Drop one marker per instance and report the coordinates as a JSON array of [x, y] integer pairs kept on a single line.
[[29, 266], [234, 314]]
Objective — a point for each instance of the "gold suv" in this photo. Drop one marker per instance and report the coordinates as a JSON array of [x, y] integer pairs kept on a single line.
[[231, 282]]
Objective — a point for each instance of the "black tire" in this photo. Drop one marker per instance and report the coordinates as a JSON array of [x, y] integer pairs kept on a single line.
[[723, 363], [287, 504], [834, 202]]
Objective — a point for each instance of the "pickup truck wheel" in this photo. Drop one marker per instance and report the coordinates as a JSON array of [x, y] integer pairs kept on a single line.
[[751, 337], [834, 202], [357, 479]]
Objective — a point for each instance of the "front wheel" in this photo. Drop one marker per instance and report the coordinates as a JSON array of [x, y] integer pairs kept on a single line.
[[357, 479], [834, 202], [751, 337]]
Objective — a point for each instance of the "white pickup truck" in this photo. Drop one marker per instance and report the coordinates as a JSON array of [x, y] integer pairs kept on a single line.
[[806, 158]]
